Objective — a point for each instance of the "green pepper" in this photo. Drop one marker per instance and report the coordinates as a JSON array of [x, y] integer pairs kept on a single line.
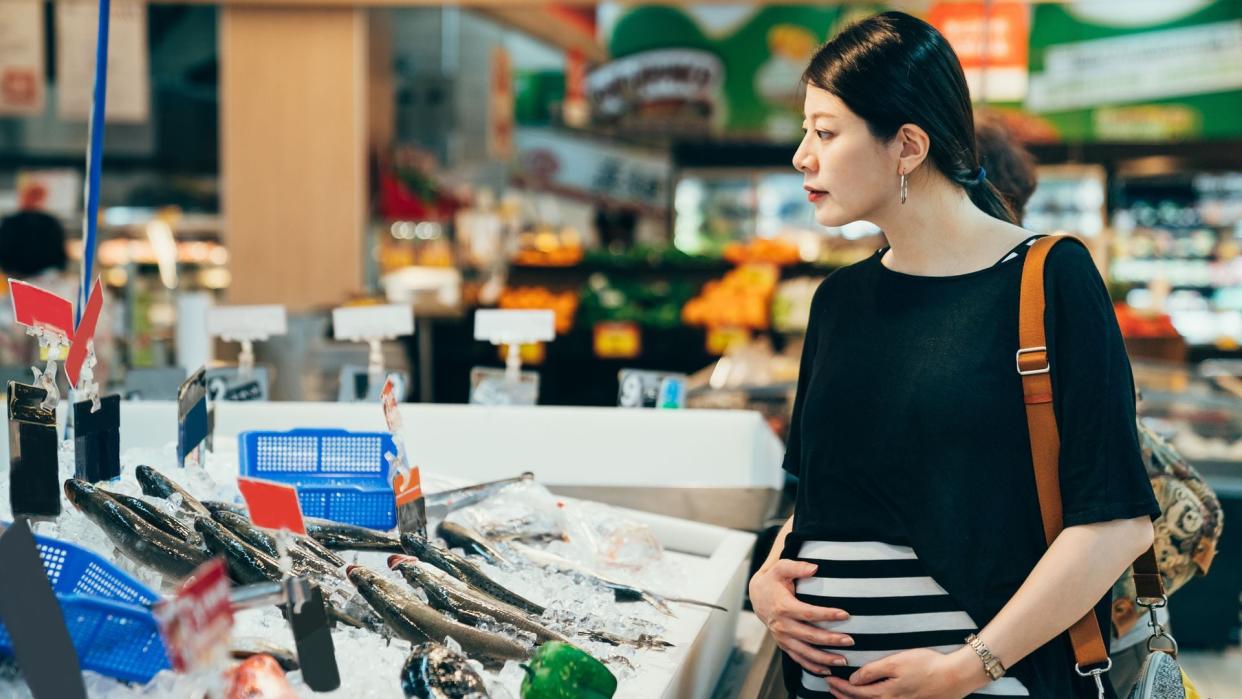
[[561, 671]]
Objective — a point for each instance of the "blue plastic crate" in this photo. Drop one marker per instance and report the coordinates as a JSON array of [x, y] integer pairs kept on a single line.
[[106, 611], [339, 475]]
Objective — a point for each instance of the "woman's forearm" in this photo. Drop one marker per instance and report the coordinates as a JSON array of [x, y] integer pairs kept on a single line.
[[1077, 570]]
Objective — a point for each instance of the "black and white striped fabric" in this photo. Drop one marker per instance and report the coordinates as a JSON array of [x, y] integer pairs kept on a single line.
[[894, 605]]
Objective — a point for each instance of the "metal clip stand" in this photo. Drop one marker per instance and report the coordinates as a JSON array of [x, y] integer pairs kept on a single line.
[[1158, 630], [53, 342]]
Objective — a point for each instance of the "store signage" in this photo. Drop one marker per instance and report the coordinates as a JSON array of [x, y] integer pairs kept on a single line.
[[22, 73], [651, 389], [406, 481], [360, 323], [592, 170], [1149, 66], [618, 340], [129, 75], [991, 41], [658, 89], [514, 326], [272, 505], [196, 623], [236, 323]]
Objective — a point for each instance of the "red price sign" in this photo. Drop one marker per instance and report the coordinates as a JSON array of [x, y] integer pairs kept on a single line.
[[39, 308], [272, 505], [196, 623], [388, 399]]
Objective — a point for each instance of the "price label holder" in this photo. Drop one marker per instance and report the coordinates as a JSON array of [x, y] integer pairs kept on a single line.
[[97, 440], [406, 480], [618, 340], [246, 325], [34, 480], [49, 318], [192, 419], [308, 619], [357, 385], [497, 387], [196, 622], [373, 325], [512, 328], [272, 505], [235, 384], [650, 389], [41, 643]]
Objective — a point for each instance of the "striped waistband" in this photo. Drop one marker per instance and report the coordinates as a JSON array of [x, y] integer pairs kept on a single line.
[[894, 605]]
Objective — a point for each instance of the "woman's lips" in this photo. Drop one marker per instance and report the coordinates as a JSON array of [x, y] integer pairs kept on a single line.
[[814, 195]]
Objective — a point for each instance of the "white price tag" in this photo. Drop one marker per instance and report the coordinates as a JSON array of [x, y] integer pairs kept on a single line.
[[237, 323], [514, 327], [361, 323]]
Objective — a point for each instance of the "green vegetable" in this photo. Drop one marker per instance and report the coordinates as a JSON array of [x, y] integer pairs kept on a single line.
[[561, 671]]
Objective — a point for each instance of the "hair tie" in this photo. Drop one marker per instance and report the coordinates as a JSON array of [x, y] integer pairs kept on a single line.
[[983, 175]]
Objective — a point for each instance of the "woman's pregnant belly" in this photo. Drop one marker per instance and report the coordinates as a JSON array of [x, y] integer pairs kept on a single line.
[[894, 605]]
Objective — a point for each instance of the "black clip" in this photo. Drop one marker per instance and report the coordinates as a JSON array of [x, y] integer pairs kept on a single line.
[[34, 476]]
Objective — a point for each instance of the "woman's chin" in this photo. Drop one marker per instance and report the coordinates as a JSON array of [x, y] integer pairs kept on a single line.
[[830, 216]]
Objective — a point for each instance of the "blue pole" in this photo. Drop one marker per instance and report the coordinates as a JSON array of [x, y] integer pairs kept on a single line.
[[94, 159]]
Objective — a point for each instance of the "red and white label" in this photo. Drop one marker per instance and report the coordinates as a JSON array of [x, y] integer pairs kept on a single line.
[[197, 621], [39, 308]]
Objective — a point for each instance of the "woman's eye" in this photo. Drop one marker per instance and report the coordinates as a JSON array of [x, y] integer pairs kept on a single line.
[[824, 135]]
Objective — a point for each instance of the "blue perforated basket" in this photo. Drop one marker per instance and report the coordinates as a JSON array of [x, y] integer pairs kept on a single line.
[[106, 611], [340, 475]]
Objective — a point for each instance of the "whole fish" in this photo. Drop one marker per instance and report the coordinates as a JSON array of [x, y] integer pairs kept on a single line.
[[470, 606], [157, 485], [157, 518], [465, 571], [247, 565], [215, 506], [623, 592], [266, 542], [339, 536], [417, 622], [441, 503], [455, 600], [460, 536], [432, 671], [136, 538]]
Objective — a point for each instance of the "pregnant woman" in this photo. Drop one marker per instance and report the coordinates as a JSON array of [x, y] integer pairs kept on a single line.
[[915, 564]]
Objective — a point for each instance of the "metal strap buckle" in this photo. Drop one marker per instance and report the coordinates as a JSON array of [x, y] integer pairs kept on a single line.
[[1097, 674], [1032, 350]]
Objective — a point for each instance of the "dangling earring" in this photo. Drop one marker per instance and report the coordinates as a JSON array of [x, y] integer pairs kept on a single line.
[[904, 190]]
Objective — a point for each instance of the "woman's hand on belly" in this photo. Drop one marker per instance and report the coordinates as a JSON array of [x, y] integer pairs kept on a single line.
[[915, 674], [791, 621]]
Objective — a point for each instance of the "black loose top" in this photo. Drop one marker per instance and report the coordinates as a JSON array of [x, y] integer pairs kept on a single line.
[[909, 427]]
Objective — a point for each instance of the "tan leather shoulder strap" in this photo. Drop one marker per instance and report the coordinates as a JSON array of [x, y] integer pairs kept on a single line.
[[1033, 364]]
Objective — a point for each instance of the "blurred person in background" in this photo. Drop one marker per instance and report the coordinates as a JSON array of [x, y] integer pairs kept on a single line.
[[32, 250]]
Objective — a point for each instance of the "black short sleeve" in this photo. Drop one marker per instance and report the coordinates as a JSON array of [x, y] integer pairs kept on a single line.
[[1102, 473], [793, 443]]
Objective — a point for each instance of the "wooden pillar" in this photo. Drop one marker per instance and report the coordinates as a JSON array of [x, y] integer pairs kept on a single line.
[[293, 133]]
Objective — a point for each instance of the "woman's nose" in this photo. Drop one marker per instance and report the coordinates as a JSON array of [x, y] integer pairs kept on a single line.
[[803, 161]]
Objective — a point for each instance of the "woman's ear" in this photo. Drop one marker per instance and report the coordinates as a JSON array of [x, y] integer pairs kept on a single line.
[[913, 147]]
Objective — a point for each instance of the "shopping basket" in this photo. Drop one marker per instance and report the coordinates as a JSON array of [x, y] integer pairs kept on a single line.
[[339, 475], [106, 611]]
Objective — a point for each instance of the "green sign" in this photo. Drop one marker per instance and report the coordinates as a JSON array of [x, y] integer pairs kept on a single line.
[[758, 53], [1136, 71]]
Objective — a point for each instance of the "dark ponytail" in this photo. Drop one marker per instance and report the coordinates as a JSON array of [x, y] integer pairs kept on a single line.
[[893, 69]]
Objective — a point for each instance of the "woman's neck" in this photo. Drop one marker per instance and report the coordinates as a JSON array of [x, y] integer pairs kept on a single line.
[[940, 232]]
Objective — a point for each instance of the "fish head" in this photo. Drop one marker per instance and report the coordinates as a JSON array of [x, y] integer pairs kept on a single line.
[[213, 534], [81, 494], [150, 480], [414, 544], [396, 560]]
